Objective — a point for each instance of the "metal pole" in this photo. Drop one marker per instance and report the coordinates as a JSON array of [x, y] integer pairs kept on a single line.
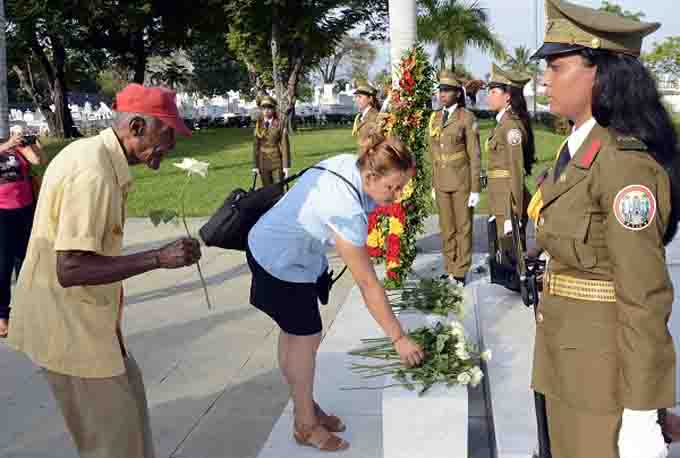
[[535, 47]]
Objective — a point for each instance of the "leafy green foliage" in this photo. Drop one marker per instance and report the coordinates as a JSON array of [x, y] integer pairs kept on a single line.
[[612, 7], [664, 59]]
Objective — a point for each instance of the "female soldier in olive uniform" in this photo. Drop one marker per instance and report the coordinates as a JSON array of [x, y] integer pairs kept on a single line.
[[366, 120], [454, 146], [271, 150], [510, 147], [604, 358]]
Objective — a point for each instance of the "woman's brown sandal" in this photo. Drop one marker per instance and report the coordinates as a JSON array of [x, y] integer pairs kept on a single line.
[[318, 436], [331, 422]]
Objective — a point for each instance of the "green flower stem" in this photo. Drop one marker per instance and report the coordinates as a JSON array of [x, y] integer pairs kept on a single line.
[[186, 227]]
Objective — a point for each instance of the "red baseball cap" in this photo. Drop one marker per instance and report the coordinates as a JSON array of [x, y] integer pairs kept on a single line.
[[158, 102]]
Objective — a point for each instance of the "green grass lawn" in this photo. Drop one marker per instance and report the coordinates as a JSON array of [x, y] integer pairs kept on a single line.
[[229, 152]]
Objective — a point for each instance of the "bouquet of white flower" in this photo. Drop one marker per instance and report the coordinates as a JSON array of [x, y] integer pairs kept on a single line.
[[449, 359], [432, 296]]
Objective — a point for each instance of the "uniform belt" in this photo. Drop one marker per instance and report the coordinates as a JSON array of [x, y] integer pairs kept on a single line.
[[498, 173], [450, 157], [579, 288]]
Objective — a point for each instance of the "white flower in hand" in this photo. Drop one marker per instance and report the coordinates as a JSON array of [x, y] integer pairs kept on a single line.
[[193, 167], [461, 351], [464, 378], [477, 376], [486, 355]]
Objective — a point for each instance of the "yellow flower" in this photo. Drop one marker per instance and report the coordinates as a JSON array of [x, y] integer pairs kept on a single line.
[[392, 265], [373, 239], [396, 227], [407, 191]]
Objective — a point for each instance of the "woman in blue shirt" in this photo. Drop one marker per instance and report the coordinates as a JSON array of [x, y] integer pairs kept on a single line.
[[287, 254]]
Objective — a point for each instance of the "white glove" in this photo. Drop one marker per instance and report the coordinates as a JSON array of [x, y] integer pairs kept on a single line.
[[473, 200], [640, 435], [256, 171], [507, 227], [434, 194], [285, 172]]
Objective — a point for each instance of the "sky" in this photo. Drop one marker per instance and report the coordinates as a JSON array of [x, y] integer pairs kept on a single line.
[[513, 21]]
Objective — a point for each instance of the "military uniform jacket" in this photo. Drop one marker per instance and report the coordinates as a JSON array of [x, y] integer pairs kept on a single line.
[[505, 149], [455, 153], [604, 219], [364, 128], [271, 144]]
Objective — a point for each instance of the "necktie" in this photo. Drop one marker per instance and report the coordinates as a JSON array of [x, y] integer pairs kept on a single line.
[[446, 116], [562, 161]]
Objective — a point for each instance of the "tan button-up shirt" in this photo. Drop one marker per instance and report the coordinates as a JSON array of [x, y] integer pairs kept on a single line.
[[81, 207]]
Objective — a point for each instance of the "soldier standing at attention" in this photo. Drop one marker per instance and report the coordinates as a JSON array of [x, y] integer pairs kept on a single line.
[[366, 120], [454, 146], [604, 358], [271, 150], [510, 147]]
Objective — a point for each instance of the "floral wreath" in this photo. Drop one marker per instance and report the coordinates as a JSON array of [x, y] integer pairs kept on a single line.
[[392, 230]]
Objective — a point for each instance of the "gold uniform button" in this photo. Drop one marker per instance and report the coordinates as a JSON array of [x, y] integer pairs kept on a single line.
[[539, 317]]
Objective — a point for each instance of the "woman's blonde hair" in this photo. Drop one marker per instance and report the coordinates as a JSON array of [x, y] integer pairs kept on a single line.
[[382, 155]]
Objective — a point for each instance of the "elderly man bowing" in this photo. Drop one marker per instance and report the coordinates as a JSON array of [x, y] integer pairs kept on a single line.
[[66, 317]]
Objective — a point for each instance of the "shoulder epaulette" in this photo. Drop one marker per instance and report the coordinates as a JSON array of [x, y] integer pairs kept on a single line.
[[630, 143]]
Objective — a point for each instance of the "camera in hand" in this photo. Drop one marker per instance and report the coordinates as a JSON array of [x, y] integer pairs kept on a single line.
[[27, 140]]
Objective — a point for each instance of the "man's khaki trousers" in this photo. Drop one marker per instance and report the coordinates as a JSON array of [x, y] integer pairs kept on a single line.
[[107, 417]]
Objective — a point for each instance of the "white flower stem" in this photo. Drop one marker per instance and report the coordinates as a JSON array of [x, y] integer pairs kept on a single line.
[[186, 227]]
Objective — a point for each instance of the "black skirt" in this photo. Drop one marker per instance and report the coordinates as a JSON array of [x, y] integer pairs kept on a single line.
[[293, 306]]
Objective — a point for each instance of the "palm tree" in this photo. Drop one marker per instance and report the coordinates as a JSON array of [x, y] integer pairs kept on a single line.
[[402, 31], [4, 108], [521, 61], [454, 25]]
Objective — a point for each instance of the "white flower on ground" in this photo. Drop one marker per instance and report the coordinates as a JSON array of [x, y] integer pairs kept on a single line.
[[457, 330], [193, 167], [461, 351], [464, 378], [486, 355], [477, 375]]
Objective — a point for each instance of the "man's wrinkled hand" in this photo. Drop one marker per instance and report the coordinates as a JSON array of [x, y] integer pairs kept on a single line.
[[180, 253]]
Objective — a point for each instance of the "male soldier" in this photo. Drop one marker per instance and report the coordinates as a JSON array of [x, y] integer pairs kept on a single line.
[[367, 118], [454, 146], [271, 150], [69, 297]]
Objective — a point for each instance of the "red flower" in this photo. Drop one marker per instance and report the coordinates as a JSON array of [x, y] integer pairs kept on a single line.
[[374, 252], [372, 221], [393, 247], [392, 274]]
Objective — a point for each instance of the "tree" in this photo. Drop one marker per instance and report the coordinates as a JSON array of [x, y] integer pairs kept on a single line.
[[452, 26], [40, 34], [134, 30], [664, 59], [280, 40], [357, 50], [520, 61], [4, 100], [216, 70], [612, 7]]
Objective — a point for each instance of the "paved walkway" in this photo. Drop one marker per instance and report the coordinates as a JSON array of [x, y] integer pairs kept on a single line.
[[211, 376]]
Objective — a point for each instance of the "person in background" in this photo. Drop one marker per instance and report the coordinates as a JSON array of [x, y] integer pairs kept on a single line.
[[603, 356], [68, 303], [366, 121], [456, 164], [17, 205], [286, 254], [510, 148], [271, 150]]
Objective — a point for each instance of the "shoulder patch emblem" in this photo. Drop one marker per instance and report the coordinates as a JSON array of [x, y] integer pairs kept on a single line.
[[630, 143], [514, 137], [635, 207]]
